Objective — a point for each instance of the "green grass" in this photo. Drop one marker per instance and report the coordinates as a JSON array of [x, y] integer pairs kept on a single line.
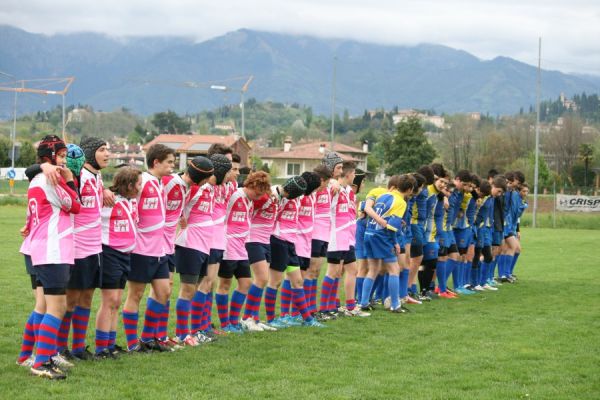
[[537, 339]]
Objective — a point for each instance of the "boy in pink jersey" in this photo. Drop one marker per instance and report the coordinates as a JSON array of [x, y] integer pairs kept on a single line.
[[235, 258], [50, 235], [148, 262], [118, 240], [284, 258]]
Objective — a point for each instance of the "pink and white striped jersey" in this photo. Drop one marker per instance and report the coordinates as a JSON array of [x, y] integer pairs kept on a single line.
[[87, 230], [343, 218], [322, 225], [119, 225], [263, 220], [237, 225], [286, 223], [175, 191], [50, 224], [222, 194], [198, 211], [150, 240], [306, 221]]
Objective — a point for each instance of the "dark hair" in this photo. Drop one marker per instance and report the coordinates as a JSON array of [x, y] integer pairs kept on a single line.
[[510, 176], [492, 173], [259, 181], [323, 172], [158, 152], [485, 188], [236, 158], [464, 176], [348, 166], [476, 180], [523, 185], [427, 172], [406, 183], [519, 176], [500, 182], [219, 148], [313, 181], [124, 180], [439, 170], [419, 180]]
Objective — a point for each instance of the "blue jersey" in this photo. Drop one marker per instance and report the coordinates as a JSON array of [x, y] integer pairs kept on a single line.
[[485, 213], [455, 201], [430, 205], [391, 207], [419, 208], [409, 210], [512, 204], [471, 211]]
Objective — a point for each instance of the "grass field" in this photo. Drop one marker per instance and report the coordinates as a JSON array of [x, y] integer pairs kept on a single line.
[[537, 339]]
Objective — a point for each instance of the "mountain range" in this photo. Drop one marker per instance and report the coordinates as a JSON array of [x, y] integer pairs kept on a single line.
[[149, 74]]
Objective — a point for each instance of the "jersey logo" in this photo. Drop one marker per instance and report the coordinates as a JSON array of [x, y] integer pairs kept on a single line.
[[267, 215], [150, 203], [204, 206], [305, 211], [65, 199], [343, 208], [88, 201], [288, 215], [173, 205], [238, 216], [121, 225], [323, 199]]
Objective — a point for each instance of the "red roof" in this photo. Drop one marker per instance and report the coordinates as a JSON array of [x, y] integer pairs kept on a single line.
[[310, 151], [184, 143]]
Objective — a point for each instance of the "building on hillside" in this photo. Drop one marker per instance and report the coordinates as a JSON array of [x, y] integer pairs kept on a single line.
[[295, 159], [193, 144], [123, 153], [435, 120]]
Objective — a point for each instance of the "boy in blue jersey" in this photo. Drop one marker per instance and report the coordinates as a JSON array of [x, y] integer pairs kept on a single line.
[[416, 225], [470, 264], [511, 248], [523, 205], [498, 228], [382, 242]]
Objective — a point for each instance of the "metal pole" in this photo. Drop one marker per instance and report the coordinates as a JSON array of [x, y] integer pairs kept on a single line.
[[243, 120], [333, 101], [554, 206], [537, 136], [14, 133], [63, 118]]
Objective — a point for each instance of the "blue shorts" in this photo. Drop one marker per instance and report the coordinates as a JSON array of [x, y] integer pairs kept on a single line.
[[430, 251], [484, 237], [86, 273], [407, 233], [463, 237], [318, 248], [359, 251], [258, 252], [238, 268], [145, 269], [304, 263], [283, 255], [380, 247], [418, 235], [510, 230], [189, 261], [53, 276], [497, 238], [115, 268], [215, 256], [347, 256]]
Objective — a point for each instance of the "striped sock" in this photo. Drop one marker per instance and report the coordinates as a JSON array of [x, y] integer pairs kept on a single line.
[[300, 301], [350, 304], [46, 340], [81, 319], [197, 308], [253, 302], [163, 322], [286, 297], [331, 303], [235, 307], [307, 286], [183, 309], [102, 339], [270, 299], [326, 288], [151, 317], [222, 300], [130, 324], [207, 312], [62, 340], [313, 295], [112, 340], [28, 339]]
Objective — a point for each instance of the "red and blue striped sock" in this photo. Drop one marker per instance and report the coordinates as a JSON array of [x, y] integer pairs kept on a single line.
[[222, 310], [112, 340], [46, 339], [313, 295], [81, 319], [130, 325], [62, 340], [286, 297], [270, 299], [307, 286], [300, 302], [350, 304], [207, 312], [326, 288], [102, 340], [333, 295], [183, 309], [163, 322], [151, 317], [28, 339], [197, 307], [253, 302], [235, 307]]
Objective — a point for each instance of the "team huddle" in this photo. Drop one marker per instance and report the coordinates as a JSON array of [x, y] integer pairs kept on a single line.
[[399, 246]]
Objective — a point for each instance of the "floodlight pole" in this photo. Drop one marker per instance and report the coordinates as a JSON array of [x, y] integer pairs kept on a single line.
[[537, 136], [333, 102]]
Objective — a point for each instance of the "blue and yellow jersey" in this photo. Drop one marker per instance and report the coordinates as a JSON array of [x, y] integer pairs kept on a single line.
[[460, 220], [391, 207], [512, 204], [522, 207], [375, 193], [409, 210], [455, 200], [485, 213], [419, 208], [430, 205]]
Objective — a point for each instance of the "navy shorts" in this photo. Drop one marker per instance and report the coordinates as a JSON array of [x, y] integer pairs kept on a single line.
[[31, 272], [463, 237], [86, 273], [336, 257], [171, 261], [258, 252], [283, 255], [238, 268], [115, 268], [53, 276], [189, 261], [497, 238], [407, 234], [304, 263], [318, 248], [215, 256], [145, 269], [430, 251], [380, 247], [418, 235]]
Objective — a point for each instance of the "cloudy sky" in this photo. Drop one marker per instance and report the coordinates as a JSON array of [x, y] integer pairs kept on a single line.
[[570, 30]]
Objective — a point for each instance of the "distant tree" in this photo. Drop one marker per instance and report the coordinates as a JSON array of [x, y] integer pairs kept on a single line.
[[27, 155], [586, 153], [4, 152], [408, 148], [170, 122], [137, 135]]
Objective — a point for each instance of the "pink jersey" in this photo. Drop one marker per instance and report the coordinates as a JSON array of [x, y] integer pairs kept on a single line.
[[237, 225], [87, 223], [305, 226], [198, 210], [151, 211], [119, 225], [49, 221], [175, 191], [353, 209], [222, 194], [322, 214], [263, 220], [286, 223], [343, 218], [26, 245]]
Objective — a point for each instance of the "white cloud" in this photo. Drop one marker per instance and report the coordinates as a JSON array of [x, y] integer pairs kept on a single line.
[[569, 29]]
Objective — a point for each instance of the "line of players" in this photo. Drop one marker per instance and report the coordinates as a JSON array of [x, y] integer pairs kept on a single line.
[[267, 237]]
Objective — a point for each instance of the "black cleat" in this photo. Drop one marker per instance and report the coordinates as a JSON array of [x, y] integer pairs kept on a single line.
[[83, 355], [105, 354], [49, 371]]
